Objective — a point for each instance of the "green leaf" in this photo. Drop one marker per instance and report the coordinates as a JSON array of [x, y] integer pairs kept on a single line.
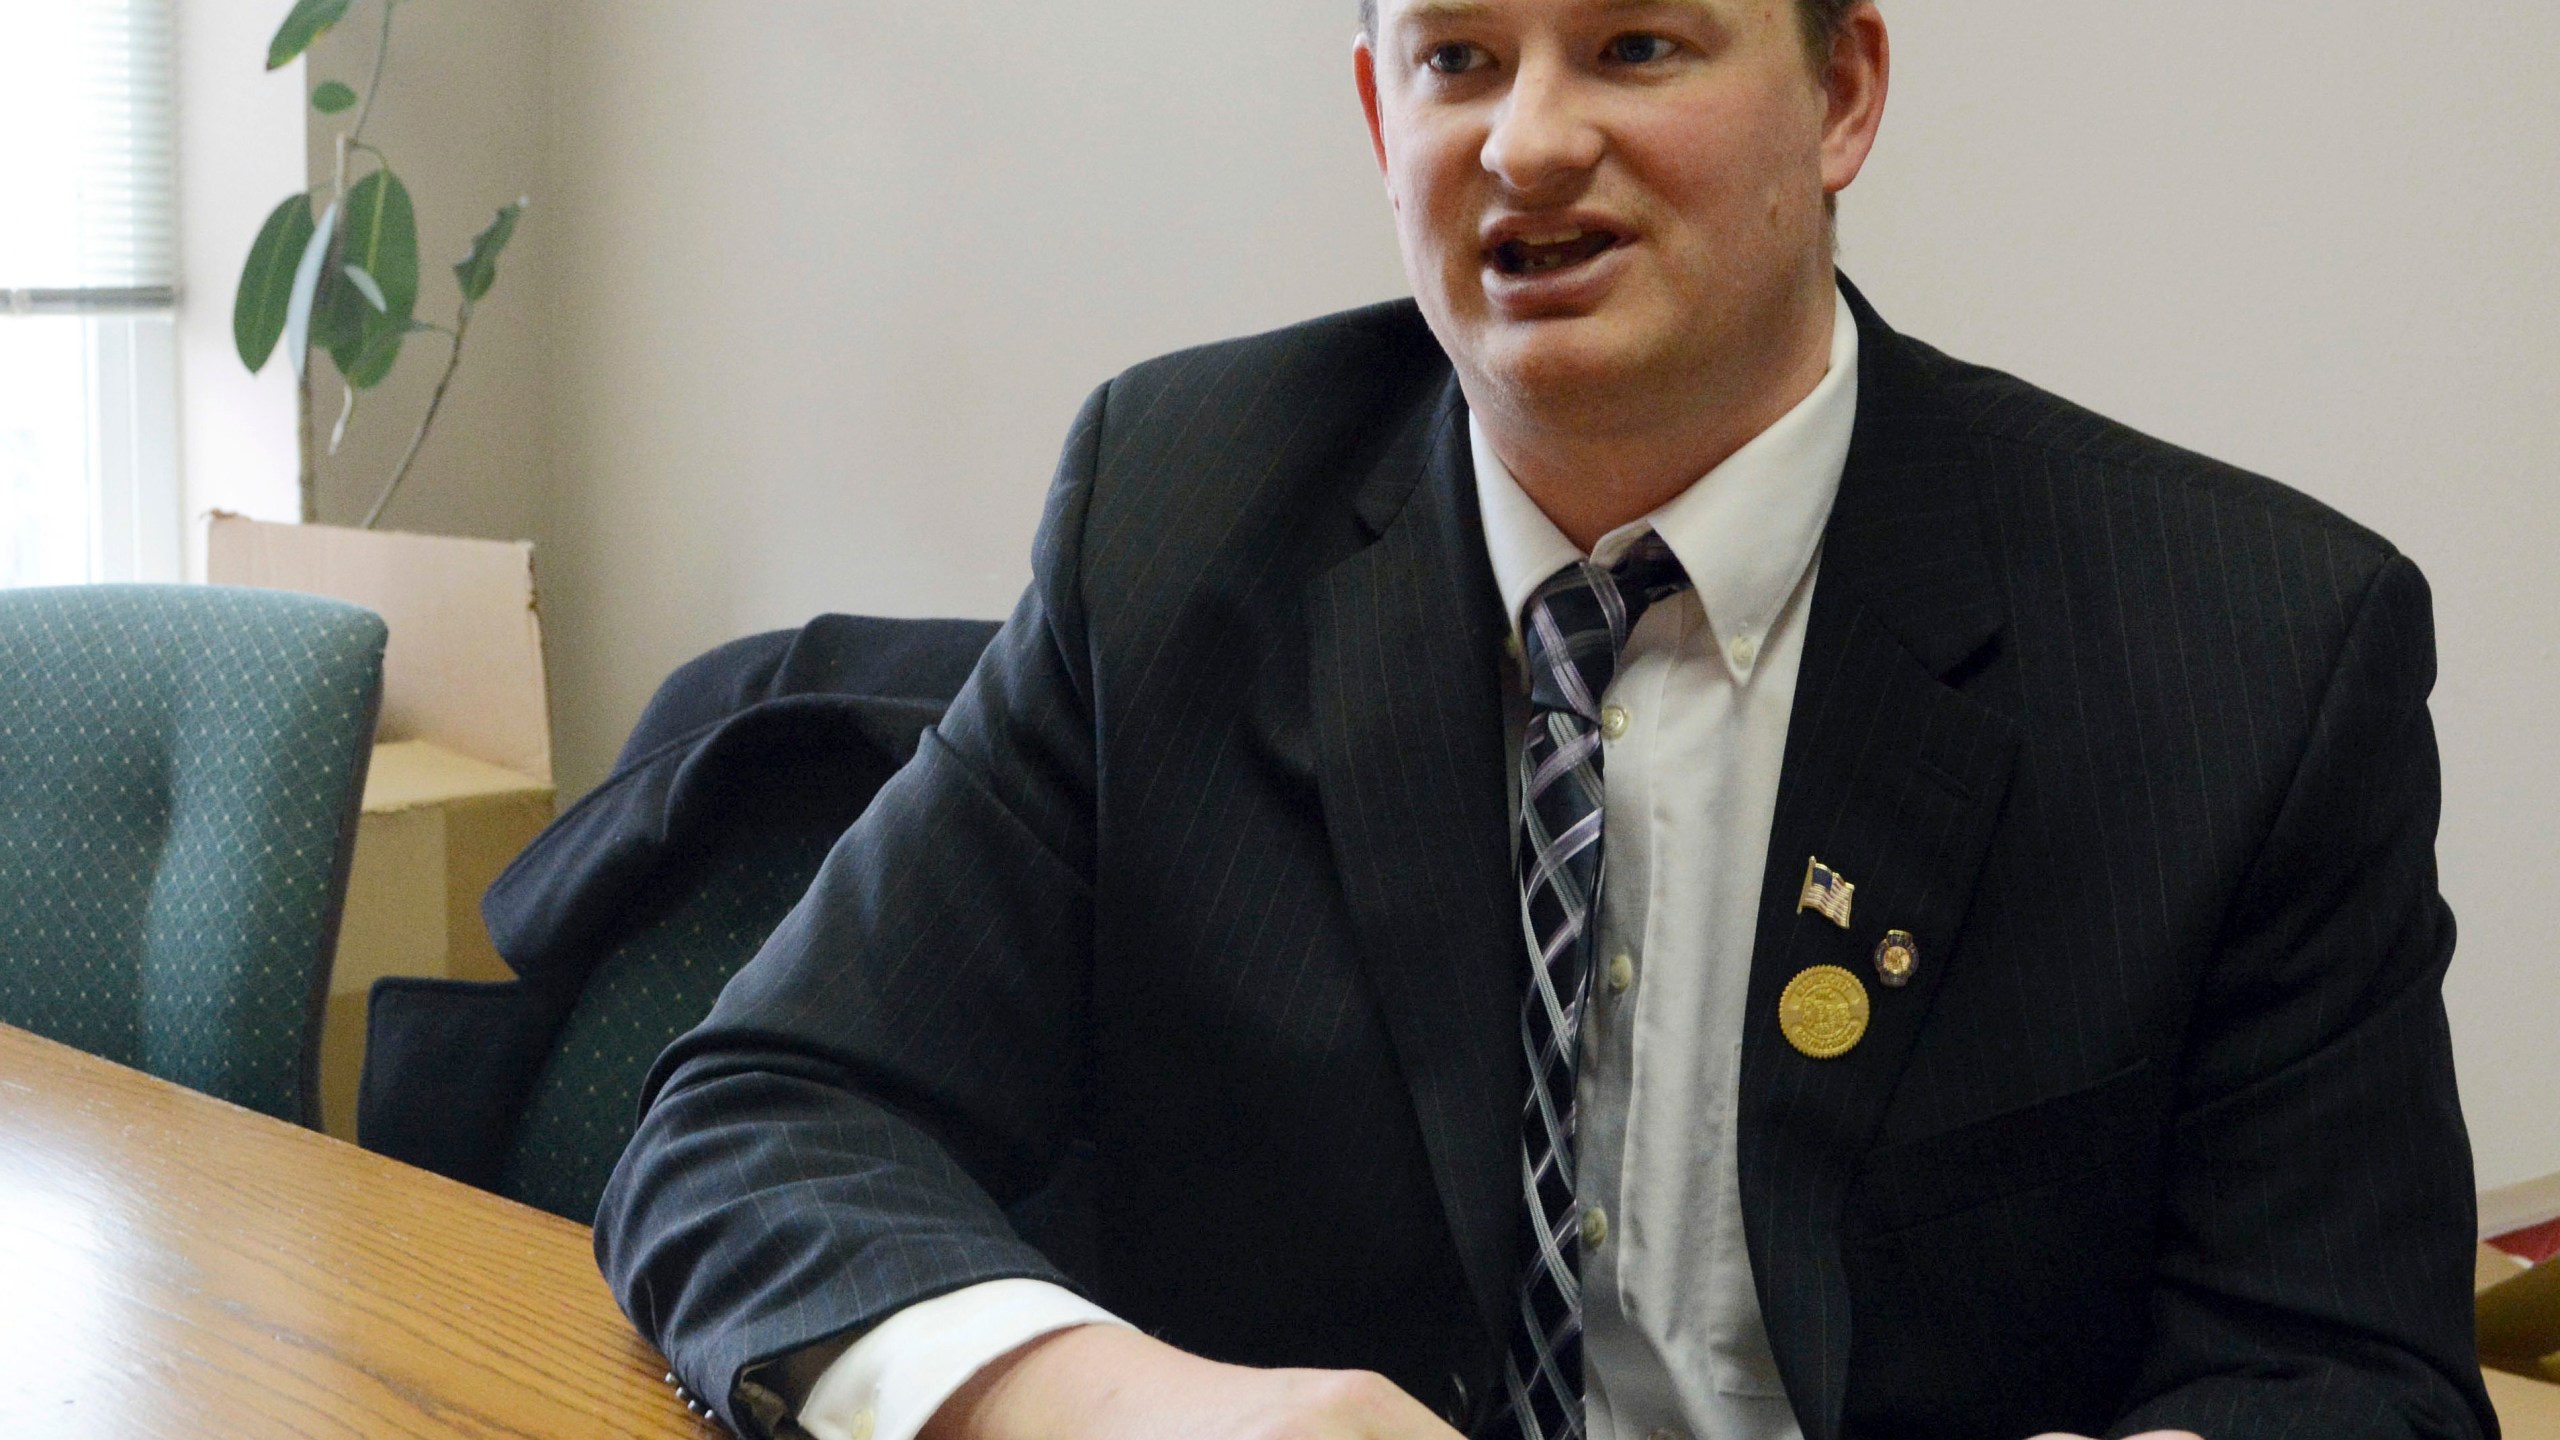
[[379, 239], [332, 97], [338, 313], [376, 356], [477, 271], [266, 281], [336, 321], [369, 287], [309, 21], [306, 287]]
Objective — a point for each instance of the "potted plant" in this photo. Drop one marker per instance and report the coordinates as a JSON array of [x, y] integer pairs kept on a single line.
[[336, 266], [461, 773]]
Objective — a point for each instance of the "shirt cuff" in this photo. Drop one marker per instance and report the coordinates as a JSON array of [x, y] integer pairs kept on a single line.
[[887, 1384]]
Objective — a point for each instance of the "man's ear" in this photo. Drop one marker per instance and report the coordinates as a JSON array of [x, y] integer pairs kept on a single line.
[[1856, 81], [1364, 74]]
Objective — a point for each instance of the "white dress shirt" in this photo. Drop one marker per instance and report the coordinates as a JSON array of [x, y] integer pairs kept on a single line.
[[1673, 1345]]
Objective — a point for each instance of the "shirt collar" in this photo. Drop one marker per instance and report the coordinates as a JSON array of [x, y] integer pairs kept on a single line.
[[1746, 531]]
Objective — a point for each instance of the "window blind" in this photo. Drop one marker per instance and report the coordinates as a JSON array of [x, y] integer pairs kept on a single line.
[[88, 155]]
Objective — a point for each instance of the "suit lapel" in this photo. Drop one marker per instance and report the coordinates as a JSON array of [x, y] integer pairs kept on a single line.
[[1405, 655], [1893, 778]]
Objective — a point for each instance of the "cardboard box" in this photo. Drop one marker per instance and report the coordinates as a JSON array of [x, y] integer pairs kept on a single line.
[[2523, 1218], [2517, 1302], [464, 668], [2527, 1409], [461, 776], [437, 828]]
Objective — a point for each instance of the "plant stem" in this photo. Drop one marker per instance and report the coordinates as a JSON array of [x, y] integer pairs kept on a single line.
[[351, 139], [461, 327], [373, 87], [310, 459]]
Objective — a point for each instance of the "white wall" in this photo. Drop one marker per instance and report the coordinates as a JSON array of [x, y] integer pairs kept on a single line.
[[832, 277], [836, 278]]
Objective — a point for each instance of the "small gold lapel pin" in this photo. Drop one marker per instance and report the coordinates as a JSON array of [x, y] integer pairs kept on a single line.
[[1823, 1012], [1825, 893], [1897, 956]]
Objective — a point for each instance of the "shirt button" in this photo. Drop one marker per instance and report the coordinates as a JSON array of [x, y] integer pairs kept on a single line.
[[1613, 721], [1595, 1228], [863, 1420], [1622, 973], [1744, 651]]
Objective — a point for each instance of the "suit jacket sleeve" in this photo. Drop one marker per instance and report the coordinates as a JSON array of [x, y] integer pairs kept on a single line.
[[905, 1057], [2316, 1237]]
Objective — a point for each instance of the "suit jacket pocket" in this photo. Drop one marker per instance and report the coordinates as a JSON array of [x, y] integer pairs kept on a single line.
[[1999, 1272], [2015, 1151]]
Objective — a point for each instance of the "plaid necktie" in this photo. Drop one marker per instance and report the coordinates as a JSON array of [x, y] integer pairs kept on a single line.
[[1574, 630]]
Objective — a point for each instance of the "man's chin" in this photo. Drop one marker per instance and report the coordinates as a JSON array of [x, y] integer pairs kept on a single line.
[[1562, 363]]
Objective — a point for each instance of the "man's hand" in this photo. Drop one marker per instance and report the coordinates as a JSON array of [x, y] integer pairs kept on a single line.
[[1097, 1382]]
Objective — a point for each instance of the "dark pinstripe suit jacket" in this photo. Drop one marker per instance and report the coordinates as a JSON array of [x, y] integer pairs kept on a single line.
[[1182, 965]]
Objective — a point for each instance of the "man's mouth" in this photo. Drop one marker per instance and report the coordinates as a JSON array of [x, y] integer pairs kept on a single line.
[[1557, 250]]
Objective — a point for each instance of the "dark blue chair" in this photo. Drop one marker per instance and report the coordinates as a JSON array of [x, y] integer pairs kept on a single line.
[[628, 914]]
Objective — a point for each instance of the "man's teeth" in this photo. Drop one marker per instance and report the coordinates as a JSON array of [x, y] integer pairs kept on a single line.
[[1532, 254]]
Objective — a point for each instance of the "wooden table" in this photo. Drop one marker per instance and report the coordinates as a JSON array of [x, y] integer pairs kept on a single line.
[[171, 1265]]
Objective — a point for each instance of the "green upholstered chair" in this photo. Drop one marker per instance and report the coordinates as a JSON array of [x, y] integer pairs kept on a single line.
[[626, 917], [181, 768]]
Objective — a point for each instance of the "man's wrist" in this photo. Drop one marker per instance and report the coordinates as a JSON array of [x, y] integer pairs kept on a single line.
[[981, 1409]]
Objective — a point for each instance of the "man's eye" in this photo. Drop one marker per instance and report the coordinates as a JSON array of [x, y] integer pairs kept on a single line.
[[1638, 49], [1455, 57]]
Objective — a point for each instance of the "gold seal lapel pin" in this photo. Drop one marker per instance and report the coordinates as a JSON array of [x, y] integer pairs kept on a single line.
[[1825, 893], [1823, 1012]]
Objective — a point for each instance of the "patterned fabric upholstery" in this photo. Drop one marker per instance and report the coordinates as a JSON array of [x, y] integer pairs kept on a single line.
[[180, 772], [625, 918], [657, 983]]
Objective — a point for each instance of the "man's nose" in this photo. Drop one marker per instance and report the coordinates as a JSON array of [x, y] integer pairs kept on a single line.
[[1542, 139]]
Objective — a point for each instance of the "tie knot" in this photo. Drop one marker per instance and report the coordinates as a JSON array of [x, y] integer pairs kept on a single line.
[[1576, 625]]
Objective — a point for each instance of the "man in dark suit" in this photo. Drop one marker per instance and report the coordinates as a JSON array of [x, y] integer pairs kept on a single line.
[[2014, 1001]]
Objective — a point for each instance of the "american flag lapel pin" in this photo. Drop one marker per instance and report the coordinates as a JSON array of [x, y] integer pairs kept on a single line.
[[1825, 893]]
